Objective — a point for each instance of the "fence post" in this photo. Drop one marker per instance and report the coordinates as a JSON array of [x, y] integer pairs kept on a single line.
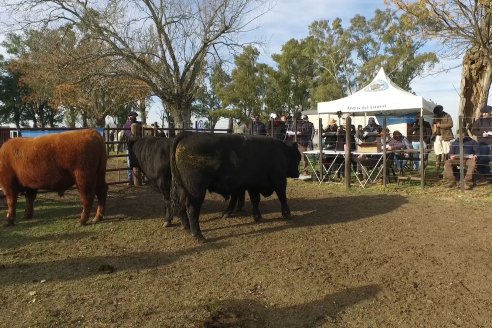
[[137, 131]]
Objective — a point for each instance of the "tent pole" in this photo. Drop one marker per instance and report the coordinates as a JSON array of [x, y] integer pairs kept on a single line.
[[384, 151], [421, 136]]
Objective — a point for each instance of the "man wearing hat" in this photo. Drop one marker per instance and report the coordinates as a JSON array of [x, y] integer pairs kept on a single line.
[[482, 129], [442, 134]]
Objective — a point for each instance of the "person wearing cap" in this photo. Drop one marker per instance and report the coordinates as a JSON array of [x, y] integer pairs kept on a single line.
[[470, 152], [482, 129], [442, 134]]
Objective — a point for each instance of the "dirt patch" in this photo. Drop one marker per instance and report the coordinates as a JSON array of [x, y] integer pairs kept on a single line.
[[394, 257]]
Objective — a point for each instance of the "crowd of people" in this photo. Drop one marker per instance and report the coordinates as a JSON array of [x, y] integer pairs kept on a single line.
[[438, 136]]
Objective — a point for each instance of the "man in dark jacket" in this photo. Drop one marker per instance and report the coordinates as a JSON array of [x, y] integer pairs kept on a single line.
[[442, 134], [257, 127], [482, 129], [305, 131], [371, 131], [470, 152]]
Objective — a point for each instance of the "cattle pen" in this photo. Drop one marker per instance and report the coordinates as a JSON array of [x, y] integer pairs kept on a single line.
[[116, 144]]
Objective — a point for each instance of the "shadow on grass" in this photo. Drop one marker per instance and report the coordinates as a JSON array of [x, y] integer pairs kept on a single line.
[[82, 267], [14, 239], [252, 313], [47, 210], [316, 212]]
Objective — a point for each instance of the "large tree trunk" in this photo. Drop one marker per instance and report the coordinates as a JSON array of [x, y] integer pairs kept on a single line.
[[142, 109], [476, 78], [181, 113]]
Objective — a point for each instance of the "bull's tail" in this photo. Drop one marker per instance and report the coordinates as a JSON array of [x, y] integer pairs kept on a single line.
[[175, 201]]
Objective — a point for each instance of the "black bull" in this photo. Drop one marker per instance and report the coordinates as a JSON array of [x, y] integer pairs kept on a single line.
[[152, 156], [228, 165]]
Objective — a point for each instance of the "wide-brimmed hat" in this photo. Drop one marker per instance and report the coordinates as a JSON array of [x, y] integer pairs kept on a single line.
[[333, 121], [132, 113]]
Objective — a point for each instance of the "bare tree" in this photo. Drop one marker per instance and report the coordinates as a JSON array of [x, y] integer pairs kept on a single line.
[[464, 27], [164, 44]]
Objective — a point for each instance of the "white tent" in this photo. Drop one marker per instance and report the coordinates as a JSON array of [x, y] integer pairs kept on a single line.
[[382, 98]]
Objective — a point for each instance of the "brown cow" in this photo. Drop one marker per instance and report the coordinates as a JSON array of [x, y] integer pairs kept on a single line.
[[55, 162]]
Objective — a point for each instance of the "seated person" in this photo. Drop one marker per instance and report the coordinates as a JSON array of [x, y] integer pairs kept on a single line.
[[330, 134], [371, 131], [470, 152], [399, 142]]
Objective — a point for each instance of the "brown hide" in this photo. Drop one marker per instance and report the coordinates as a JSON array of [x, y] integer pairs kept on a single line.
[[55, 162]]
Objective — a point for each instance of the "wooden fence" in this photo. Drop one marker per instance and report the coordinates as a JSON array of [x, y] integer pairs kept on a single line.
[[117, 171]]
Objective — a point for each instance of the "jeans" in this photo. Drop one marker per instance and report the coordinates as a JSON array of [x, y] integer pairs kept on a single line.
[[416, 156], [483, 160]]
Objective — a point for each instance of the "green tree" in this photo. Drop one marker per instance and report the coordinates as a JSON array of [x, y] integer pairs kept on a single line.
[[294, 76], [347, 58], [207, 103], [465, 30], [247, 88]]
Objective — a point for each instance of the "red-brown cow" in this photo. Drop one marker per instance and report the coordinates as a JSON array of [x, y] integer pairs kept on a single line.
[[55, 162]]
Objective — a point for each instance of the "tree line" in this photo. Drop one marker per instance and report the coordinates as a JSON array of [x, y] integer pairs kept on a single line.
[[78, 62]]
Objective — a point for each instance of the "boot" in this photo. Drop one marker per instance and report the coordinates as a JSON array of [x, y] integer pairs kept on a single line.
[[439, 164]]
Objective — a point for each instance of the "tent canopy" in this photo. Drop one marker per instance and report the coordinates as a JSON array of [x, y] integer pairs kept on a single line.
[[381, 97]]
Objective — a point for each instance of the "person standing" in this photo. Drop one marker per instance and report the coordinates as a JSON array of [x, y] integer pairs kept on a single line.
[[442, 134], [482, 129], [132, 119], [371, 131], [330, 134], [342, 136], [308, 131], [304, 137], [415, 139], [257, 127]]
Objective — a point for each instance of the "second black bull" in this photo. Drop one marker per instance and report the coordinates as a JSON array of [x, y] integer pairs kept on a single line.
[[229, 164]]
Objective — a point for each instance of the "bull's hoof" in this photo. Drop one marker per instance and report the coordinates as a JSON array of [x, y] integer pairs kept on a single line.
[[226, 215], [286, 216], [9, 223], [167, 224], [257, 218], [97, 219], [82, 223], [27, 217], [199, 238]]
